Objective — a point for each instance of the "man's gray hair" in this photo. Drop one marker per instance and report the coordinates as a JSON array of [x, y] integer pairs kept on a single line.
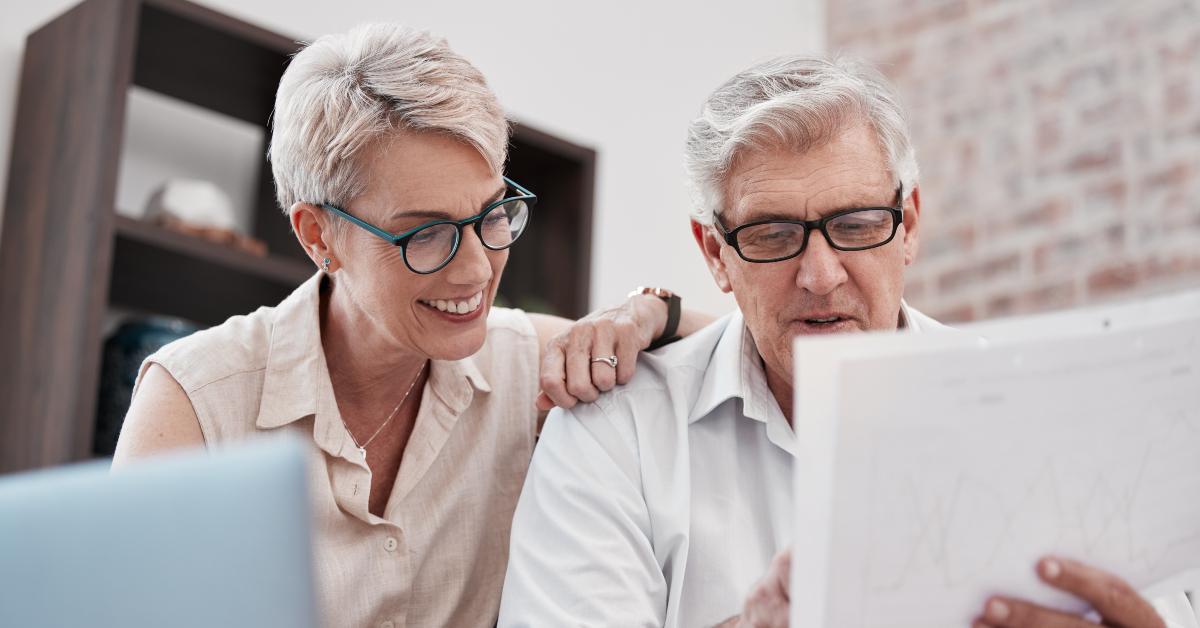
[[345, 92], [796, 102]]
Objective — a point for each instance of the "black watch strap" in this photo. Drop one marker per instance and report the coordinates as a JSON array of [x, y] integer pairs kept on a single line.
[[674, 307]]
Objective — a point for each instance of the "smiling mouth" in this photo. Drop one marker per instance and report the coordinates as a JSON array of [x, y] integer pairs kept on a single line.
[[825, 321], [454, 306]]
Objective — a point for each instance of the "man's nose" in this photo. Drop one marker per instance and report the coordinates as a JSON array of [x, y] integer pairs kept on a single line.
[[821, 270]]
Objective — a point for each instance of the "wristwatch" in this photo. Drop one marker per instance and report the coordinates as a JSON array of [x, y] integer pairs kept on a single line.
[[673, 311]]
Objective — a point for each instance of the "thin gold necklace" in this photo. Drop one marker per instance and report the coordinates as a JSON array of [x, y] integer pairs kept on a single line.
[[362, 449]]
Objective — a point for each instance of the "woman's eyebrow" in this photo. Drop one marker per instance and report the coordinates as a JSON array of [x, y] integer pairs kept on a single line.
[[441, 215], [421, 213], [499, 194]]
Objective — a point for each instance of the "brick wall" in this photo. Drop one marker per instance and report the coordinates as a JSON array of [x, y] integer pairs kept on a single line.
[[1059, 142]]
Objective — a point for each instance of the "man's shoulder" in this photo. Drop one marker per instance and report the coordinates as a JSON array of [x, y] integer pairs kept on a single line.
[[670, 376], [650, 412]]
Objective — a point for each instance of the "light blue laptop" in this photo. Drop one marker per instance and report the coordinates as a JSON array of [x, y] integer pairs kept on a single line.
[[190, 540]]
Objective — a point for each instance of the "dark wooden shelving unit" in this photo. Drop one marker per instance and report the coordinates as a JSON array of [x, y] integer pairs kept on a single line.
[[69, 257], [221, 281]]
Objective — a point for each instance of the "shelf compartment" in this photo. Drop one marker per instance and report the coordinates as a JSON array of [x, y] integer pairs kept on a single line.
[[157, 270]]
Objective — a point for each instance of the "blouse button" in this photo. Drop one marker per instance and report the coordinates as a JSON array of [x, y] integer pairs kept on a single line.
[[390, 544]]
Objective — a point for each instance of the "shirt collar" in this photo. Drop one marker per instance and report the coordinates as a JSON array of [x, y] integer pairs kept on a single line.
[[456, 381], [907, 322], [735, 370], [296, 380], [295, 361]]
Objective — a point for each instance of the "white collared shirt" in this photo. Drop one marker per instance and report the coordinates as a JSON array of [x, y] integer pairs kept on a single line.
[[663, 503]]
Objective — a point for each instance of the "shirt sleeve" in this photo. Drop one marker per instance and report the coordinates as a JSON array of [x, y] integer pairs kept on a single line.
[[510, 360], [581, 551]]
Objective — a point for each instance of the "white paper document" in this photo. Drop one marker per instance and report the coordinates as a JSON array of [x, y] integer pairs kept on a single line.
[[936, 469]]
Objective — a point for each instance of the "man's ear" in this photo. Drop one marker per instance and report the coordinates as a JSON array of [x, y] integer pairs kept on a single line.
[[309, 225], [912, 221], [710, 247]]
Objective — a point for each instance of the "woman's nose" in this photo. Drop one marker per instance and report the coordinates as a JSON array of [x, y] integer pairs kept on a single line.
[[471, 264]]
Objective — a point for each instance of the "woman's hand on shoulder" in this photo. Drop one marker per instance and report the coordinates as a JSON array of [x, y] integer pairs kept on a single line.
[[577, 358], [161, 418]]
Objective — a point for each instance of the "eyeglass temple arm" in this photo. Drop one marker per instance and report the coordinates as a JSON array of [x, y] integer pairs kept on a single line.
[[518, 187], [390, 237]]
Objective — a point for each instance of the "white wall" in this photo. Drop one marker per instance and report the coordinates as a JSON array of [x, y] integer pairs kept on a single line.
[[623, 77]]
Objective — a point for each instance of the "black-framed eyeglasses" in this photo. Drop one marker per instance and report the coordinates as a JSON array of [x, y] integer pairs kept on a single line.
[[856, 229], [429, 247]]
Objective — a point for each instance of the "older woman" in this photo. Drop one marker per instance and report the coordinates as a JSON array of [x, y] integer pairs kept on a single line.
[[418, 395]]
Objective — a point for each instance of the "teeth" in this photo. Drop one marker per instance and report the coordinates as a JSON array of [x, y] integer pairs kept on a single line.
[[823, 320], [457, 307]]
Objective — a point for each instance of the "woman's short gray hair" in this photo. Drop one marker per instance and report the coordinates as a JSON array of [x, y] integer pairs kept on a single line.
[[798, 102], [344, 92]]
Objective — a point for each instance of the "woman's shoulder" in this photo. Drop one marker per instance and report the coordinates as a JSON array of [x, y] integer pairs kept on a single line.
[[503, 321], [511, 342], [239, 345]]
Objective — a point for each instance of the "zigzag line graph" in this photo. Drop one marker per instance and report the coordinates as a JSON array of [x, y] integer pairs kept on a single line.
[[951, 548]]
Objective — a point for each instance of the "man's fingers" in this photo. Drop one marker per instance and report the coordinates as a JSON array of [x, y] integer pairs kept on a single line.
[[764, 606], [1005, 612], [767, 605], [1116, 602], [543, 403], [783, 571], [553, 377], [1112, 597]]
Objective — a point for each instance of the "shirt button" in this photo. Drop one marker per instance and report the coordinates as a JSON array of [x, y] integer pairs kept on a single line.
[[388, 624], [390, 545]]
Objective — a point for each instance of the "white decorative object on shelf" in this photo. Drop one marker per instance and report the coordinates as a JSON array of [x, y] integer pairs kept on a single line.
[[194, 202]]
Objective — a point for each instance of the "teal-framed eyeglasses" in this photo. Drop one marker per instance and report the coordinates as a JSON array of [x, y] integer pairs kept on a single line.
[[429, 247]]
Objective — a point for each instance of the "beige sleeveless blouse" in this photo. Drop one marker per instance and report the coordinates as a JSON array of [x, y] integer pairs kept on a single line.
[[438, 556]]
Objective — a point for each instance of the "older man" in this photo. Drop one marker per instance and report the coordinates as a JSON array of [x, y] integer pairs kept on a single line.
[[665, 502]]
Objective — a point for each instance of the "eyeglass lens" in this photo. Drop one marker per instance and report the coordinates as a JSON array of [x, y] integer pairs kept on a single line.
[[854, 230], [432, 247]]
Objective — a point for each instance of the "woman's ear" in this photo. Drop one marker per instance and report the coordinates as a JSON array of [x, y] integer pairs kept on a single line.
[[310, 224], [710, 247]]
